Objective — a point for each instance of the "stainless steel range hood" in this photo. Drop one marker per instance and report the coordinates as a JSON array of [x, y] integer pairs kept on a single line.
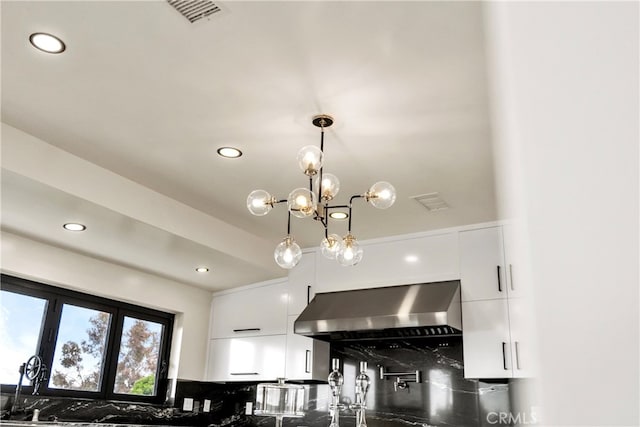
[[408, 311]]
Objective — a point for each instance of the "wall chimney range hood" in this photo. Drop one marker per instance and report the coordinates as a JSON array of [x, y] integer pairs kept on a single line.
[[408, 311]]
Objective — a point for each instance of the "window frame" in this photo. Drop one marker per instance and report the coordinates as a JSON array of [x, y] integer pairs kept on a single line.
[[56, 297]]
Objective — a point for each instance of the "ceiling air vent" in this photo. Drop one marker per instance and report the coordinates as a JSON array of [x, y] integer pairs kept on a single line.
[[431, 201], [195, 10]]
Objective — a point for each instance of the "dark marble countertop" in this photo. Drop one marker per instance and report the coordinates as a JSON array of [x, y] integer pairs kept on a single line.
[[17, 423]]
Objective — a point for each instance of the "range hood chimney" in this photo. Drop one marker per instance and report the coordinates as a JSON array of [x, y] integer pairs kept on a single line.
[[408, 311]]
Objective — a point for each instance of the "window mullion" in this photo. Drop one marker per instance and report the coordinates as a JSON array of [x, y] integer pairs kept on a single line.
[[112, 352], [49, 336]]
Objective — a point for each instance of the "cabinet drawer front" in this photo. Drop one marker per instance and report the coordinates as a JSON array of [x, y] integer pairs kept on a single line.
[[250, 312], [246, 359]]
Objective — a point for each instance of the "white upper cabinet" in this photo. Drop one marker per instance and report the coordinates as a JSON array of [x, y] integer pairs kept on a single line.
[[482, 265], [413, 260], [307, 358], [261, 310], [302, 279], [496, 319], [516, 264]]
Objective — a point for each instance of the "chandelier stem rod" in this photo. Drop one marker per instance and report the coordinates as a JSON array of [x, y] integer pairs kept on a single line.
[[350, 209], [288, 223], [321, 167], [325, 220]]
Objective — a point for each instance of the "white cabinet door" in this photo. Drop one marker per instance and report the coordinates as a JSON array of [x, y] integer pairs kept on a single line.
[[302, 279], [482, 272], [516, 262], [522, 338], [249, 312], [399, 262], [486, 341], [246, 359], [307, 358]]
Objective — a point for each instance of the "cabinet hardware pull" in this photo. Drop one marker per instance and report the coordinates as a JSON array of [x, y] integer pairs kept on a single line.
[[517, 356], [511, 276], [246, 330], [243, 373], [499, 281], [504, 356], [307, 368], [308, 294]]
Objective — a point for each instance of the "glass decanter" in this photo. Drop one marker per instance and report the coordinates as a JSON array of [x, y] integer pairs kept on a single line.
[[362, 385], [335, 380]]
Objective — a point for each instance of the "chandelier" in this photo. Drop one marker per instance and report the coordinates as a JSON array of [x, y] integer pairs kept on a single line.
[[313, 202]]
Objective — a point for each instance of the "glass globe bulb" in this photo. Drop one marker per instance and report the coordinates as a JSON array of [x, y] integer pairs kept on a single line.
[[301, 203], [287, 253], [329, 186], [330, 245], [259, 202], [310, 159], [349, 253], [381, 195]]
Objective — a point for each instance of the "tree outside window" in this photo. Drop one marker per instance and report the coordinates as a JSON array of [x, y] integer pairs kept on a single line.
[[138, 358], [80, 353]]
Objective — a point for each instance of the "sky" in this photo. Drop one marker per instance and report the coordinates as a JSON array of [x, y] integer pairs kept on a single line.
[[20, 322]]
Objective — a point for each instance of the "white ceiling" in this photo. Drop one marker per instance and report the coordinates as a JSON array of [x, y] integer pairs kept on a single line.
[[145, 94]]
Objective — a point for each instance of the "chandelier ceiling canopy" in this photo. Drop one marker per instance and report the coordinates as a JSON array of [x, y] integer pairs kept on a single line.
[[314, 202]]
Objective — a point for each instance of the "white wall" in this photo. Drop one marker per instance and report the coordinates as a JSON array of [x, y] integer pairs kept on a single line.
[[565, 98], [51, 265]]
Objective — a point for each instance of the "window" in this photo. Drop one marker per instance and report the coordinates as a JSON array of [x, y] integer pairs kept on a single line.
[[93, 347], [138, 357], [78, 358]]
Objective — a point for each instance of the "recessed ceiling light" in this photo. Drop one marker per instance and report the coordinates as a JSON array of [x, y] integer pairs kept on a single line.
[[47, 43], [411, 259], [339, 215], [229, 152], [202, 269], [74, 226]]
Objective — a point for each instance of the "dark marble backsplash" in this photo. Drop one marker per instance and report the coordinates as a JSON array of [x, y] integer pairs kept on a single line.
[[442, 398]]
